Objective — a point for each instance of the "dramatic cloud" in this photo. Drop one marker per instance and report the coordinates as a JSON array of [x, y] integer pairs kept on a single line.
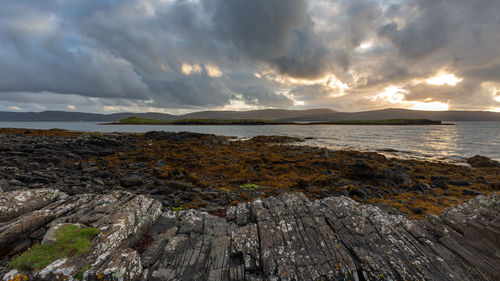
[[184, 55]]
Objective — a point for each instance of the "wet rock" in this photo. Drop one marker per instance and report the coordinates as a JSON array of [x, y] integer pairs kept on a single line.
[[174, 137], [482, 161], [399, 175], [182, 186], [102, 140], [458, 182], [160, 163], [436, 183], [421, 186], [31, 166], [217, 140], [417, 211], [471, 192], [131, 181], [359, 192], [275, 139], [361, 169]]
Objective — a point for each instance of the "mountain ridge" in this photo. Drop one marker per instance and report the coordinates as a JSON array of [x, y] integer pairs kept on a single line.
[[319, 114]]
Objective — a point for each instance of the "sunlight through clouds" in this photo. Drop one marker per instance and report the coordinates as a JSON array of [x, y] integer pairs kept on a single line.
[[213, 70], [188, 69], [430, 106], [443, 78], [393, 95]]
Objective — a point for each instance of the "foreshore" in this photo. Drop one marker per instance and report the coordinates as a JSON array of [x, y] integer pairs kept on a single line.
[[179, 173], [193, 170]]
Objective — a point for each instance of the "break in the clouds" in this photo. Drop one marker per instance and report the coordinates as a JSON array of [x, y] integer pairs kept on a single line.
[[184, 55]]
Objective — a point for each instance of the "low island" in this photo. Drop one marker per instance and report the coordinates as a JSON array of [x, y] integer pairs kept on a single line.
[[144, 121]]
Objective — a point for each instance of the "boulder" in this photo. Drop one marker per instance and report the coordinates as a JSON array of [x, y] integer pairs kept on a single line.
[[482, 161], [131, 181]]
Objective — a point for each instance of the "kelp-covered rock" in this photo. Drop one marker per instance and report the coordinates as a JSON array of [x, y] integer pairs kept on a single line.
[[191, 170], [482, 161]]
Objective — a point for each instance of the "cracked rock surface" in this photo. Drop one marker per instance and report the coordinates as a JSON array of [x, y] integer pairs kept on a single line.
[[286, 237]]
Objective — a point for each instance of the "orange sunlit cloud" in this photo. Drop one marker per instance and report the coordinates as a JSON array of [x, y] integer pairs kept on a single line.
[[396, 96], [443, 78]]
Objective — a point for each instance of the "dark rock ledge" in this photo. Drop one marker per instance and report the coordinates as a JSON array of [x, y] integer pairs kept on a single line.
[[286, 237]]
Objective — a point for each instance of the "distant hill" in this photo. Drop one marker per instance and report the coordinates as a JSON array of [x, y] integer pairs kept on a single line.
[[398, 113], [322, 114], [266, 114], [68, 116]]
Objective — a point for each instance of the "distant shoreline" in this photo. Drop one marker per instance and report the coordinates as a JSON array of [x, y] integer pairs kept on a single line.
[[252, 122], [279, 124]]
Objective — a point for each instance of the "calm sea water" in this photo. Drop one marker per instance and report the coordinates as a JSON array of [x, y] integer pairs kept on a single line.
[[448, 143]]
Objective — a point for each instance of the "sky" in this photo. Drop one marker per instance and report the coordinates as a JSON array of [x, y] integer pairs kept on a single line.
[[179, 56]]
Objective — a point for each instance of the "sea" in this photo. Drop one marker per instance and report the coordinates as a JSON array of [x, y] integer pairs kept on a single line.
[[449, 143]]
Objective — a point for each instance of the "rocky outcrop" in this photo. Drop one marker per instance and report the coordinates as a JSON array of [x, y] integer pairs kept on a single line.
[[482, 161], [290, 238], [287, 237], [122, 218]]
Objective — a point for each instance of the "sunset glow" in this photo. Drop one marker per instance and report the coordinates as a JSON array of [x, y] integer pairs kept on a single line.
[[444, 78], [430, 106], [396, 96]]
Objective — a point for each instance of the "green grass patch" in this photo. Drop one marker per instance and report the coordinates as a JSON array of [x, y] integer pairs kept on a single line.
[[137, 120], [70, 241], [249, 186], [80, 273], [177, 209]]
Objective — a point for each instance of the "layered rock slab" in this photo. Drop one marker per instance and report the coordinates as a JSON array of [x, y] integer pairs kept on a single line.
[[290, 238], [286, 237]]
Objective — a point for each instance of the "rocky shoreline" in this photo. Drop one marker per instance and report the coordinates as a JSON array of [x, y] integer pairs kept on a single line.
[[160, 195]]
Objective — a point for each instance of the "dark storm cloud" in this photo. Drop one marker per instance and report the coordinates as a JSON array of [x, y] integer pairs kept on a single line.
[[308, 58], [133, 51], [424, 35], [261, 29], [277, 32]]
